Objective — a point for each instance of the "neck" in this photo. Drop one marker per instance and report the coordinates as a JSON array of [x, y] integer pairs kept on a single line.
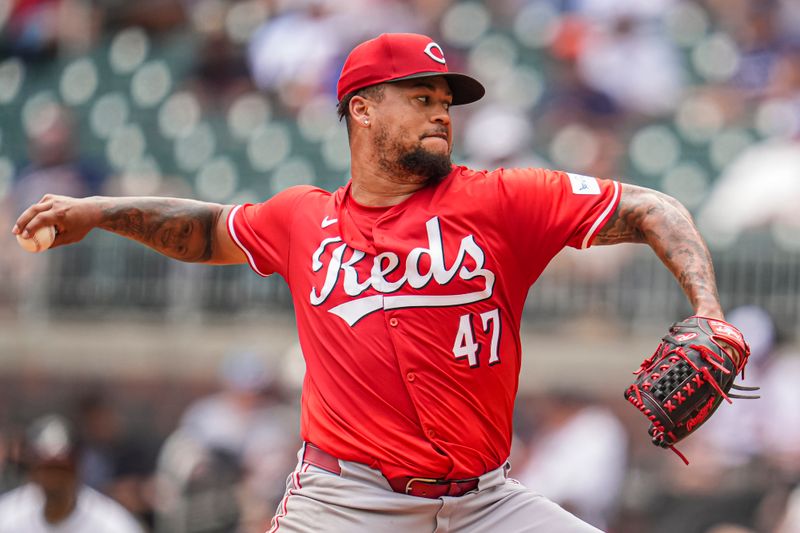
[[378, 192], [377, 186], [59, 507]]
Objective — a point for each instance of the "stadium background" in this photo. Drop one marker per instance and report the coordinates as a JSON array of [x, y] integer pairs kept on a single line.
[[234, 101]]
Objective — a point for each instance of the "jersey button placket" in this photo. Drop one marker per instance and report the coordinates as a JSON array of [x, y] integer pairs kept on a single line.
[[393, 322], [411, 377]]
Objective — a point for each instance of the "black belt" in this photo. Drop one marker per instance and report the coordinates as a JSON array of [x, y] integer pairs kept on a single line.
[[413, 486]]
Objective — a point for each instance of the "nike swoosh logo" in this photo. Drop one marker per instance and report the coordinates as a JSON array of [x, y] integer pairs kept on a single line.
[[328, 221]]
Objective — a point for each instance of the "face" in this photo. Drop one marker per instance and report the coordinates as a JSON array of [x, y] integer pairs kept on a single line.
[[412, 136], [55, 479]]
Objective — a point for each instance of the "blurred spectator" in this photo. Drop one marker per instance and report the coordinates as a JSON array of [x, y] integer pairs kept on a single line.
[[196, 488], [39, 29], [729, 14], [760, 46], [784, 79], [296, 53], [219, 73], [779, 421], [299, 53], [609, 11], [569, 99], [114, 460], [789, 20], [428, 13], [701, 497], [222, 469], [499, 136], [156, 16], [759, 188], [55, 501], [30, 30], [56, 165], [621, 51], [576, 439], [634, 64]]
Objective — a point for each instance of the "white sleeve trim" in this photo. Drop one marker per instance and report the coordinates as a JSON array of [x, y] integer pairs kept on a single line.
[[602, 217], [232, 231]]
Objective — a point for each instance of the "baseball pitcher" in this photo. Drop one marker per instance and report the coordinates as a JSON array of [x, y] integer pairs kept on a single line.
[[409, 285]]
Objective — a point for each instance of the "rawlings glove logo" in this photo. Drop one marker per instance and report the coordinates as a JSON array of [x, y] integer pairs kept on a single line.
[[701, 415], [721, 328]]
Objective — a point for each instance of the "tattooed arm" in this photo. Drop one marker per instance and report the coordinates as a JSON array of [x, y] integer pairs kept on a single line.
[[187, 230], [648, 216]]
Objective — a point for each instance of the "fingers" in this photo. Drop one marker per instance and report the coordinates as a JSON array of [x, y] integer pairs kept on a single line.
[[72, 218], [732, 352], [33, 218]]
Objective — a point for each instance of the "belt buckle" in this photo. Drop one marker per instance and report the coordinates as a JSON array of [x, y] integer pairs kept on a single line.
[[422, 480]]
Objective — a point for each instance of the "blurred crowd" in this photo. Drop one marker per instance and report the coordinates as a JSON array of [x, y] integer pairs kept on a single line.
[[690, 97], [211, 459], [698, 98]]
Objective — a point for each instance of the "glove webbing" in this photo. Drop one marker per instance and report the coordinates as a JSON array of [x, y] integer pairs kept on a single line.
[[710, 357]]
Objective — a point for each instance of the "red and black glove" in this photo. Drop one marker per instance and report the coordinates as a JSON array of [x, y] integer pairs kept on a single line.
[[688, 376]]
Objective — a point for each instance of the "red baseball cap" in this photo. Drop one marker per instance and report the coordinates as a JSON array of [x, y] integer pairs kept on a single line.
[[403, 56]]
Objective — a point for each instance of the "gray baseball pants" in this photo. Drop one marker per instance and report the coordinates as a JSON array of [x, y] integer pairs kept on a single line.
[[360, 500]]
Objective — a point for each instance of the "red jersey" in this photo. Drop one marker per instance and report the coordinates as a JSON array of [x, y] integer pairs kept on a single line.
[[408, 316]]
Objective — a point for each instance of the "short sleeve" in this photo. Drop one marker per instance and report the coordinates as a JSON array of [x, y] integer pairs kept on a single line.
[[263, 230], [559, 208]]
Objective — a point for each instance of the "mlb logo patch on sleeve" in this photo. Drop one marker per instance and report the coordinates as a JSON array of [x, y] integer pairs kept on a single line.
[[583, 184]]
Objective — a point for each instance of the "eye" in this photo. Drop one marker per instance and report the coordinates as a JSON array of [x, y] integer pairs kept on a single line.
[[423, 99]]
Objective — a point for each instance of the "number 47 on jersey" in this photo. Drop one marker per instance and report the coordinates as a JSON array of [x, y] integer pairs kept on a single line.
[[465, 345]]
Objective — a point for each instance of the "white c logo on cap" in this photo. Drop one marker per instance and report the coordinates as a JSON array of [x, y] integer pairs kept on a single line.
[[438, 56]]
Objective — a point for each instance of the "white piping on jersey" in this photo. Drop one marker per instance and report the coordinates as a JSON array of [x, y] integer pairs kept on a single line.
[[239, 243], [602, 216]]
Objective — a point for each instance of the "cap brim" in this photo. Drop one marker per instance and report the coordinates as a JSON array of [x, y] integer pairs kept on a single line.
[[466, 89]]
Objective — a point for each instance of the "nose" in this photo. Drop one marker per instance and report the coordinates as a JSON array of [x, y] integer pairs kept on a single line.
[[441, 115]]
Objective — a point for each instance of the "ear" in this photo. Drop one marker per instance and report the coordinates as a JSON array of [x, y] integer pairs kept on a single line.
[[360, 111]]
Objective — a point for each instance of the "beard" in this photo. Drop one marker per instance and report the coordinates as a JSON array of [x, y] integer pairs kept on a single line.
[[430, 166], [412, 164]]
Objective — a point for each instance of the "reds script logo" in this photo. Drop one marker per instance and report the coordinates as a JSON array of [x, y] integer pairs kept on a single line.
[[386, 263]]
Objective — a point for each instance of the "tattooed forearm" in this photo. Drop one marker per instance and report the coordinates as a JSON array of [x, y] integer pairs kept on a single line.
[[181, 229], [647, 216]]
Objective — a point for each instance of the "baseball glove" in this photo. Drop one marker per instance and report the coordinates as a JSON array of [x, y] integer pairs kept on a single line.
[[688, 376]]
